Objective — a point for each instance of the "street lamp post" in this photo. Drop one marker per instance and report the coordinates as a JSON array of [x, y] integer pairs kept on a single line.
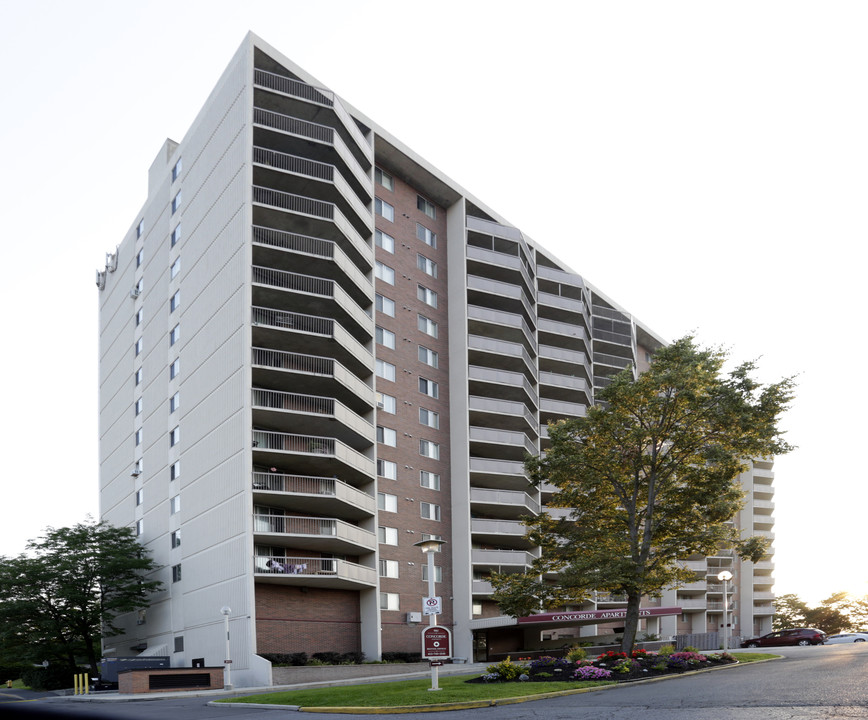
[[429, 547], [227, 663], [725, 576]]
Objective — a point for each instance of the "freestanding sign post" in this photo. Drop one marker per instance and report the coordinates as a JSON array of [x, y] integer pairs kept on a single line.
[[436, 647]]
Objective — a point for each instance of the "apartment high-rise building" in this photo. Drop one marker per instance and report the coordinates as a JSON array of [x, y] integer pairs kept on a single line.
[[317, 350]]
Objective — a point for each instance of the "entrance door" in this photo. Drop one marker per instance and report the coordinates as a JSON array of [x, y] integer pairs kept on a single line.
[[480, 646]]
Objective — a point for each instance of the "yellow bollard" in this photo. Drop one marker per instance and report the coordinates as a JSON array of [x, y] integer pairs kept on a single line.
[[75, 684]]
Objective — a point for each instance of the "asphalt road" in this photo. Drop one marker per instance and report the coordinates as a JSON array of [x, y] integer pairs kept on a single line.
[[812, 683]]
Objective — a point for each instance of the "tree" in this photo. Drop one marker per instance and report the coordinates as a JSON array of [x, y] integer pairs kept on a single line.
[[790, 612], [837, 613], [56, 603], [649, 476]]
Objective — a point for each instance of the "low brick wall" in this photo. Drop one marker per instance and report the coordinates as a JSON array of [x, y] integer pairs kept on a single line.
[[170, 679], [324, 673]]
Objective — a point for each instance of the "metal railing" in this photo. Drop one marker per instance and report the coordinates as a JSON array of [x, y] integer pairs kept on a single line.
[[294, 164], [287, 442], [294, 203], [315, 486], [293, 321], [294, 524], [279, 400], [294, 125], [313, 566]]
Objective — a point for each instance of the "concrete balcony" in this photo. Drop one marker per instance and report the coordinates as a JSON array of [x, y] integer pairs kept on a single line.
[[717, 588], [319, 98], [560, 308], [607, 599], [498, 266], [314, 495], [693, 604], [500, 325], [291, 212], [505, 474], [483, 292], [699, 566], [569, 388], [500, 444], [502, 533], [481, 588], [320, 257], [312, 455], [310, 335], [502, 385], [488, 352], [295, 292], [502, 415], [497, 559], [571, 336], [553, 410], [329, 535], [283, 370], [315, 572], [310, 178], [507, 504], [564, 362]]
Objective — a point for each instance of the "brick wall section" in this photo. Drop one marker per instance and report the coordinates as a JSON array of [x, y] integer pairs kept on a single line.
[[396, 634], [289, 620], [137, 681]]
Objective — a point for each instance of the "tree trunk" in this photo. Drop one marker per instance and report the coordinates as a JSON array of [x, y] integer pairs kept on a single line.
[[631, 621]]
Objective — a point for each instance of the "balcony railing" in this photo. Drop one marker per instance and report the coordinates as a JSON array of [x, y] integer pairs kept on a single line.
[[520, 558], [313, 569], [502, 348], [264, 440], [312, 405], [503, 377], [512, 498], [318, 492], [313, 527], [503, 437]]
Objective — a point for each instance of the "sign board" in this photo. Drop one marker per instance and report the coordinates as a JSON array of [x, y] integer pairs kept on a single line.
[[432, 605], [436, 643]]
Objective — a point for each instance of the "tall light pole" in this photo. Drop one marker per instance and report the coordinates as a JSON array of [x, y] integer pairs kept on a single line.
[[725, 576], [227, 663], [429, 547]]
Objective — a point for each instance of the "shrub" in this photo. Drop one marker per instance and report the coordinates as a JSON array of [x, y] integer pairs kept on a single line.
[[352, 658], [328, 658], [576, 653], [690, 648], [507, 669], [396, 656], [12, 672], [54, 677], [610, 656], [666, 650], [690, 657], [547, 662], [625, 666]]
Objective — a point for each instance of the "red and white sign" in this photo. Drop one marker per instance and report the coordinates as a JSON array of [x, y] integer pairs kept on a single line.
[[432, 605], [436, 642]]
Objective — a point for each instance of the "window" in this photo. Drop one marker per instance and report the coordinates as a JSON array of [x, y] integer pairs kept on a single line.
[[427, 296], [426, 236], [429, 480], [174, 436], [140, 255], [385, 370], [176, 170], [389, 601], [140, 344], [428, 356], [429, 511], [175, 335], [387, 469], [139, 406], [176, 268], [428, 326], [385, 337], [387, 535], [388, 568], [139, 467], [176, 235], [426, 207], [383, 178], [438, 573], [429, 387], [140, 497], [387, 436], [179, 643], [140, 314], [176, 202], [429, 418], [176, 538], [387, 403], [139, 436], [140, 228], [139, 376], [384, 209], [174, 368], [429, 449], [477, 608], [175, 505], [384, 305], [174, 402], [140, 527], [176, 573], [384, 273], [175, 470], [387, 502], [387, 242], [175, 302], [426, 265]]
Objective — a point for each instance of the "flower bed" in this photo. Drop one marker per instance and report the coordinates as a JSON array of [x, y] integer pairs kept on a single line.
[[614, 666]]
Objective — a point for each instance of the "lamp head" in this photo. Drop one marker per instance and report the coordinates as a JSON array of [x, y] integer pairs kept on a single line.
[[724, 575], [225, 610], [429, 546]]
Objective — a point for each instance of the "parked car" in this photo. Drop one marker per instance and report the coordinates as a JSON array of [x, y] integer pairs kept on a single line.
[[847, 637], [793, 636]]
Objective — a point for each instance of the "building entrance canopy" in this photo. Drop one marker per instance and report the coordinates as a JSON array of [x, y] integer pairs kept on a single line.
[[591, 617]]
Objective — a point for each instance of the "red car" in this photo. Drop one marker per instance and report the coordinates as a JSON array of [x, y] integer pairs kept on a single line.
[[794, 636]]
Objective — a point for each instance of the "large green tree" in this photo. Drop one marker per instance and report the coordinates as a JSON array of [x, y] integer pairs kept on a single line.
[[57, 601], [649, 477]]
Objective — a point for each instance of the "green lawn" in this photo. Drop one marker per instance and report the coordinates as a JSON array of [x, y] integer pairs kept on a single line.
[[415, 692], [409, 692]]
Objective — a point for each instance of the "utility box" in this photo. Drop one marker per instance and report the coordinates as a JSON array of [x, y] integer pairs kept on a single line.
[[414, 617]]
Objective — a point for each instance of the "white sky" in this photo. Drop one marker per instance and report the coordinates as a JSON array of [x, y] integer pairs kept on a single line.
[[702, 163]]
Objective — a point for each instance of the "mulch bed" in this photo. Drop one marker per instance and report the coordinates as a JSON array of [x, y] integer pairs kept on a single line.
[[610, 666]]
